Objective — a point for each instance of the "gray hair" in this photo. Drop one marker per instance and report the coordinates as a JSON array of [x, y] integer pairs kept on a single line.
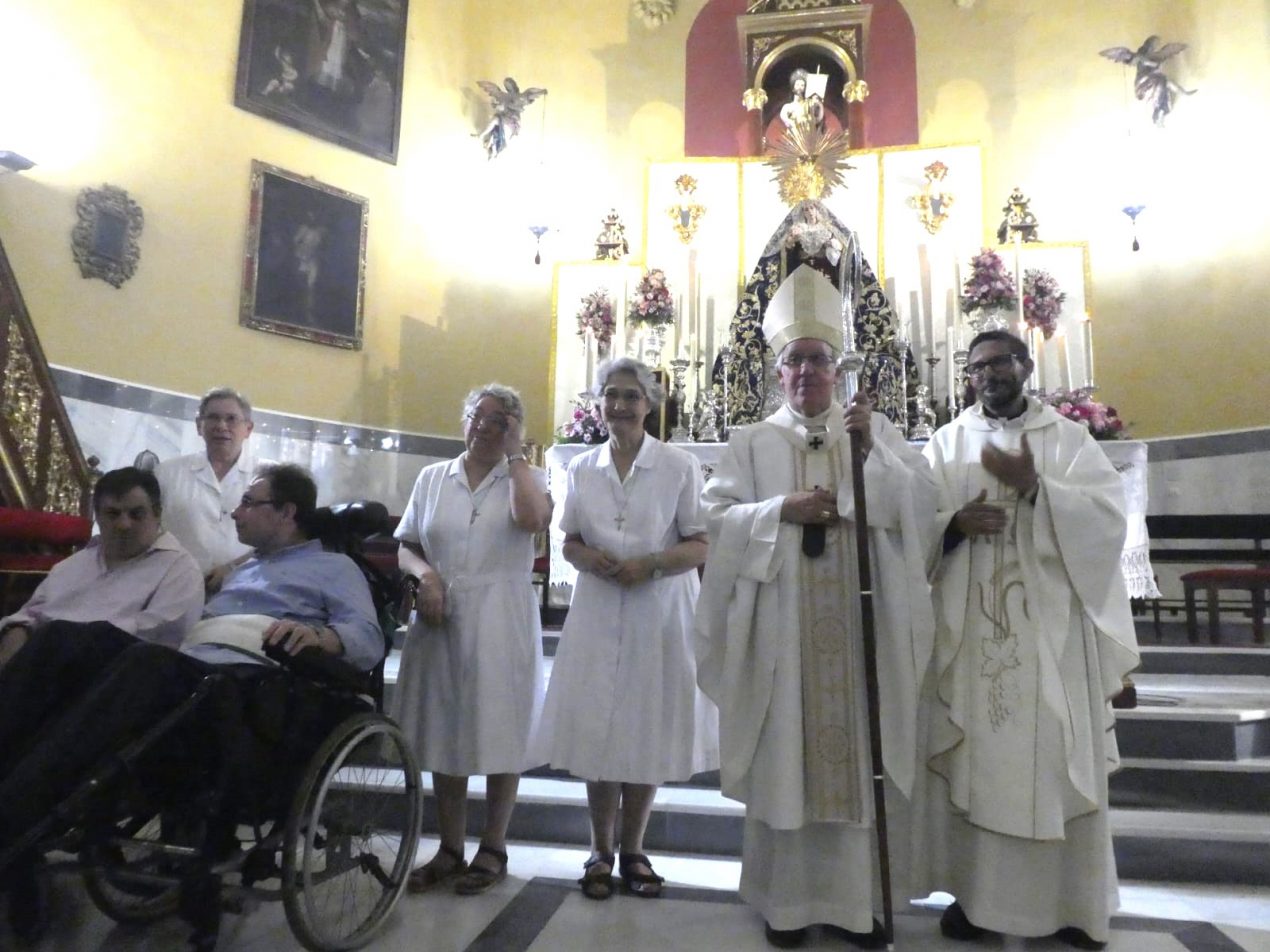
[[224, 393], [629, 365], [509, 398]]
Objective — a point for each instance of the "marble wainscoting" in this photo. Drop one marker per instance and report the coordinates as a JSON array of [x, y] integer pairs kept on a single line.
[[1212, 474], [116, 421]]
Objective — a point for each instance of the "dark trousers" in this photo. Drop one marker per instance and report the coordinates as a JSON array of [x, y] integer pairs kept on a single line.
[[261, 723], [56, 665]]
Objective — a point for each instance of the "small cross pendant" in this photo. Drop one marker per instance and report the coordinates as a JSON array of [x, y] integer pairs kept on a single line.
[[619, 519], [475, 513]]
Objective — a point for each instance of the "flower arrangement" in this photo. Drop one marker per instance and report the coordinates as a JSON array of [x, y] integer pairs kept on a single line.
[[596, 317], [651, 303], [989, 286], [1102, 421], [1042, 301], [585, 426]]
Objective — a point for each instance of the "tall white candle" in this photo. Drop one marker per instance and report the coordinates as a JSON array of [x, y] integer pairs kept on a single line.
[[921, 342], [1087, 329], [619, 323], [1060, 343], [711, 343], [1018, 274], [928, 309]]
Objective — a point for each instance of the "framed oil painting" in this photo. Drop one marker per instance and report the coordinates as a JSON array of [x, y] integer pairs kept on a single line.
[[304, 274], [331, 68]]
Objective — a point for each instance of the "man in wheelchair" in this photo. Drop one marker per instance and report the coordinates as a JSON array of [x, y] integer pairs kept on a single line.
[[257, 722]]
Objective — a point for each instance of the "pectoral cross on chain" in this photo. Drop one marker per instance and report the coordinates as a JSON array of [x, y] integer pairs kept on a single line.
[[475, 513], [619, 519]]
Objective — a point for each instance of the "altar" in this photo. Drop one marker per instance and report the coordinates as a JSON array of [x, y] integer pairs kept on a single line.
[[1128, 456]]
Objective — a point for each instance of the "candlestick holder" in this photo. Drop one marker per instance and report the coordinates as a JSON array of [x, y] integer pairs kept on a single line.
[[932, 362], [708, 416], [924, 425], [654, 342], [678, 368], [960, 381]]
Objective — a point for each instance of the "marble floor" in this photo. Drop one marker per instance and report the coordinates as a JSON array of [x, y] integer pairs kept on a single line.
[[538, 909]]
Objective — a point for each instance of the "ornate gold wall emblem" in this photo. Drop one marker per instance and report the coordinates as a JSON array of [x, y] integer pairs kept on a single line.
[[934, 201], [687, 214]]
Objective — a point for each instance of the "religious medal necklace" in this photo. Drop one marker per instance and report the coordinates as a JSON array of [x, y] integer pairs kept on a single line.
[[477, 497], [624, 489]]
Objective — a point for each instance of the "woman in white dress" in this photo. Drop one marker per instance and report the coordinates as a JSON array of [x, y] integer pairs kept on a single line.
[[469, 690], [623, 710]]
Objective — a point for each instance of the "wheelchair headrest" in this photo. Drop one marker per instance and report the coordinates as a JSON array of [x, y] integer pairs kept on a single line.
[[359, 519]]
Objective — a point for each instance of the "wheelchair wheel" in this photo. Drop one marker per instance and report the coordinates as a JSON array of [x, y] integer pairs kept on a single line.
[[126, 877], [351, 835]]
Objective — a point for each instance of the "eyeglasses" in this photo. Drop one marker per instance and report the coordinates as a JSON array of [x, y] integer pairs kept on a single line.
[[998, 364], [229, 419], [248, 503], [496, 420], [613, 395], [816, 361]]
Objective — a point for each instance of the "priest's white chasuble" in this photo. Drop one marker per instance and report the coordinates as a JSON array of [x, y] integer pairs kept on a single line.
[[1033, 634]]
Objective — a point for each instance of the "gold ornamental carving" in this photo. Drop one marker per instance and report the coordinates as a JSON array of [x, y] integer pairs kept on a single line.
[[687, 214], [934, 202], [22, 399], [62, 492]]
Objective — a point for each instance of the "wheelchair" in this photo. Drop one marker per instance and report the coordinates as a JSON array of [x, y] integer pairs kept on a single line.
[[334, 840]]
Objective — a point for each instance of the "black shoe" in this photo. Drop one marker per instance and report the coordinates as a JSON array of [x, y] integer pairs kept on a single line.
[[1078, 938], [863, 940], [954, 925], [785, 938], [28, 899]]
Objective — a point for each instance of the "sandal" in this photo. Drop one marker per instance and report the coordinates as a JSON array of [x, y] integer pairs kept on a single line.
[[646, 885], [595, 882], [477, 879], [431, 874]]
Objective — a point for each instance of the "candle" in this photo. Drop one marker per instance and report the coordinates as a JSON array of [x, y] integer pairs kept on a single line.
[[1064, 360], [679, 310], [957, 280], [619, 324], [921, 345], [710, 341], [928, 310], [590, 360], [1087, 334], [1034, 379], [1018, 274]]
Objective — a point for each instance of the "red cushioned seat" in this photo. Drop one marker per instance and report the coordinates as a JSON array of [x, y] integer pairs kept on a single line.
[[1253, 579], [44, 528], [1227, 575], [29, 562]]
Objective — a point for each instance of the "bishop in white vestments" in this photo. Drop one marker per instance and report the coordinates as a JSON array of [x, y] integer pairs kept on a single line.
[[1033, 635], [779, 631]]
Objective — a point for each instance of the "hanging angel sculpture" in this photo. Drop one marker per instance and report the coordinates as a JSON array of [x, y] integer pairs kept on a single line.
[[508, 105], [1149, 83]]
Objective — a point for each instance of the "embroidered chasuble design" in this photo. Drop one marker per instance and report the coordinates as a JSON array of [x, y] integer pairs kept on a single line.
[[1003, 595], [830, 668]]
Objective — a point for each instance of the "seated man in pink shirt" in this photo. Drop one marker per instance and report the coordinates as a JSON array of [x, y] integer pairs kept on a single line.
[[132, 582]]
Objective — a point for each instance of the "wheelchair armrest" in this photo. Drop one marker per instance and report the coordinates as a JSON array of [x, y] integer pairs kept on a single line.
[[316, 665]]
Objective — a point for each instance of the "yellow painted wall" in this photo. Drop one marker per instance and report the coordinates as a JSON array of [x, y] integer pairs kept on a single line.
[[139, 93]]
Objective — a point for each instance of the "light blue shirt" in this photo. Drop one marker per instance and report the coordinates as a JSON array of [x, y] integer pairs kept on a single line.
[[309, 585]]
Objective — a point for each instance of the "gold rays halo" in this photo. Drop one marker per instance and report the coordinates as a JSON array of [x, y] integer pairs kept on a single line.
[[809, 163]]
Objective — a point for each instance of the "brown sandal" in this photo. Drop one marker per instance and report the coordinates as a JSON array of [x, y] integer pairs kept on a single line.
[[430, 875], [595, 882], [477, 879]]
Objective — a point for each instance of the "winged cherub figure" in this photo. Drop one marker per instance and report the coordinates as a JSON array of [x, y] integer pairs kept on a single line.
[[508, 105], [1150, 84]]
